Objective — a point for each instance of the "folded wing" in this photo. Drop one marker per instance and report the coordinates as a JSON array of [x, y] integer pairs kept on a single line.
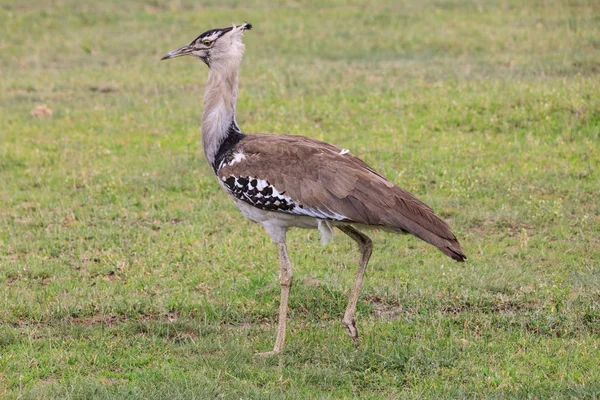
[[317, 179]]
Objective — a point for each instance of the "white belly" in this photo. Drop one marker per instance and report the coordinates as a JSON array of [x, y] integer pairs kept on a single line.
[[282, 219], [277, 223]]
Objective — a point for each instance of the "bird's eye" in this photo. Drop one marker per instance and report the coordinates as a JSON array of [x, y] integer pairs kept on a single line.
[[207, 43]]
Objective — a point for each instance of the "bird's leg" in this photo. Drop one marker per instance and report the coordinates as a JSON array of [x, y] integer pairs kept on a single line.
[[285, 281], [365, 246]]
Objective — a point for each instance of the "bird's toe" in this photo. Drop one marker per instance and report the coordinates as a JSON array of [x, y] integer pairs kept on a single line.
[[269, 353]]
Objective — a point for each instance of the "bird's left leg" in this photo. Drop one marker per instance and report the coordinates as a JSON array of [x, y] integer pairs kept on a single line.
[[365, 245], [285, 281]]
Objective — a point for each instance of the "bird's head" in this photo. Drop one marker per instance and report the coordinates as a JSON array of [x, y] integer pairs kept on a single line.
[[216, 46]]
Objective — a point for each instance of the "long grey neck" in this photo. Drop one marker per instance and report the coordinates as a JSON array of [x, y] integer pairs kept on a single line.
[[218, 118]]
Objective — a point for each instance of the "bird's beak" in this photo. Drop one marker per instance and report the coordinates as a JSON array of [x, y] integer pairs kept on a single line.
[[182, 51]]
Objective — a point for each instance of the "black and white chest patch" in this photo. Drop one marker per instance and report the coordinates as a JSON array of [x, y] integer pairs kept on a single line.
[[260, 194]]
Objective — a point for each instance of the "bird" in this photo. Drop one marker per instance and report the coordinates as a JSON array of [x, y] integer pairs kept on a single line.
[[290, 181]]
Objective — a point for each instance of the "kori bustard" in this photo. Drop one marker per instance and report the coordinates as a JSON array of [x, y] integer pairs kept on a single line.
[[284, 181]]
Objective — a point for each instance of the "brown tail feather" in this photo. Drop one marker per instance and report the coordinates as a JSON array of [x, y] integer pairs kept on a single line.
[[455, 252], [436, 233], [451, 247]]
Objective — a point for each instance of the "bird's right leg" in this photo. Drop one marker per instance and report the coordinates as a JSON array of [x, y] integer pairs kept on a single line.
[[365, 246], [285, 281]]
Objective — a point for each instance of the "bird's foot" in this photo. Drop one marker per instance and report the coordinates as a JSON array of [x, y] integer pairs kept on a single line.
[[269, 353], [352, 331]]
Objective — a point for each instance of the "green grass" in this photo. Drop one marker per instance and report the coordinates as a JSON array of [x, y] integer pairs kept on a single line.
[[125, 273]]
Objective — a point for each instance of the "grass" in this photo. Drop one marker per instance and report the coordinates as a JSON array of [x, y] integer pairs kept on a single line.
[[124, 273]]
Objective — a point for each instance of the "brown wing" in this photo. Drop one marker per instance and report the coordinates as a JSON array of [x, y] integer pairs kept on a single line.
[[320, 180]]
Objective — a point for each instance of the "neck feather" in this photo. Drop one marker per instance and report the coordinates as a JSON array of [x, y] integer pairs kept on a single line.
[[218, 118]]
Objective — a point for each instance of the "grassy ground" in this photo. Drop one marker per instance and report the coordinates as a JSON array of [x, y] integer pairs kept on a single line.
[[125, 273]]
